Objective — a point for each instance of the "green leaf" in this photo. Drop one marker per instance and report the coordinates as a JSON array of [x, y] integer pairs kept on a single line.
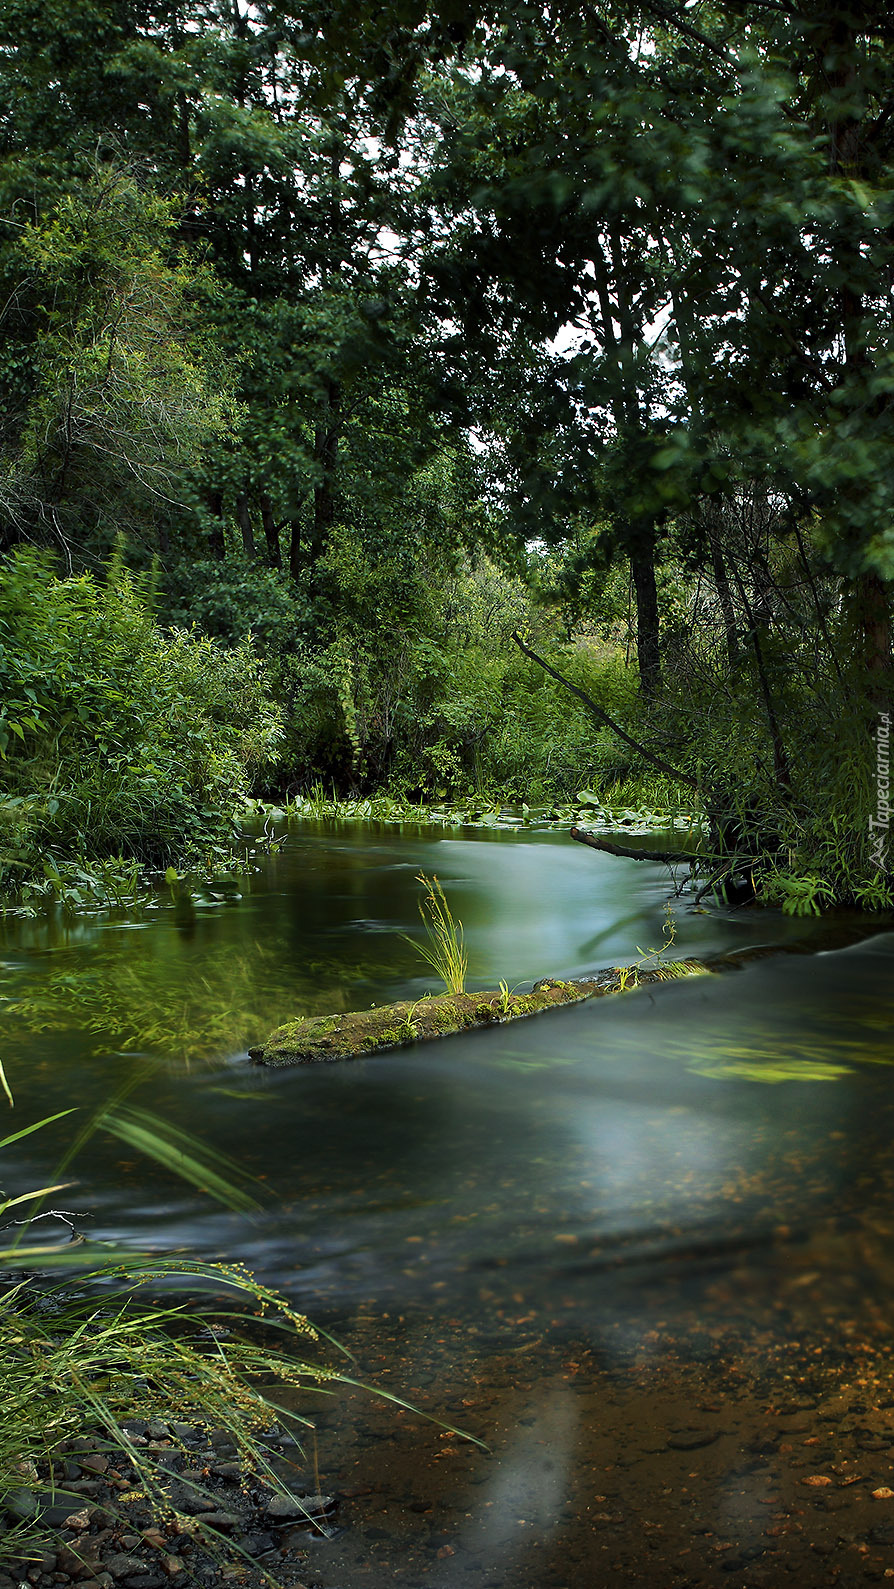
[[180, 1152], [37, 1126]]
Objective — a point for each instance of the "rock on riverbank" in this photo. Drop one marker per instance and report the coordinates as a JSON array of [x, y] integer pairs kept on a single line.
[[203, 1520]]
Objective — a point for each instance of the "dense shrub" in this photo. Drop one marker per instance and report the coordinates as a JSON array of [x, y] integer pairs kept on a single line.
[[117, 738], [395, 668]]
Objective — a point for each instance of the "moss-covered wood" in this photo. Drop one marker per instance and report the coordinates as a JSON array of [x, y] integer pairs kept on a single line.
[[315, 1039]]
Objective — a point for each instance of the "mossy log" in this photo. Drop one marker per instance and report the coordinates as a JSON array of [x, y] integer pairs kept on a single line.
[[316, 1039]]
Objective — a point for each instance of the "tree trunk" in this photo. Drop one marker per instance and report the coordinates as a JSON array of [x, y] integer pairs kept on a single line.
[[243, 518], [295, 559], [872, 622], [271, 531], [642, 564], [216, 536], [326, 457], [724, 596]]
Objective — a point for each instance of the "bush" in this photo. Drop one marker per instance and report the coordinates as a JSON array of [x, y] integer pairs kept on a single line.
[[396, 670], [117, 738]]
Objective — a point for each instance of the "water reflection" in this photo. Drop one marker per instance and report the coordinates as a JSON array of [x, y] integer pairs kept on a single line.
[[320, 929], [523, 1496], [562, 1233]]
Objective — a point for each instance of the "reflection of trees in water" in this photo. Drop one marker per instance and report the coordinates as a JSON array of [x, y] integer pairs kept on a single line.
[[214, 1002]]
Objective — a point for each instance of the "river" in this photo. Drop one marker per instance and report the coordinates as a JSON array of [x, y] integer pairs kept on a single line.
[[643, 1248]]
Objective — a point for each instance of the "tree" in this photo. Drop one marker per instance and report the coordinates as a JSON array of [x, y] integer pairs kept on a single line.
[[122, 391]]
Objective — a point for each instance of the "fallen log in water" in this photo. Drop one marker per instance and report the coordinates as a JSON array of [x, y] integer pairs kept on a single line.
[[320, 1039]]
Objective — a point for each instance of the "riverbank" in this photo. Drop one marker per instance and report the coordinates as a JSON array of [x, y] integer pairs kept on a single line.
[[209, 1519]]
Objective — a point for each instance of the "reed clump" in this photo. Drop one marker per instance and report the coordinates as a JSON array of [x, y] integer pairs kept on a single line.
[[444, 949]]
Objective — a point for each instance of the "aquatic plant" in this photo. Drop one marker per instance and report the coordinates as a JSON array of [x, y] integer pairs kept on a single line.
[[218, 1008], [445, 949], [652, 960], [491, 813]]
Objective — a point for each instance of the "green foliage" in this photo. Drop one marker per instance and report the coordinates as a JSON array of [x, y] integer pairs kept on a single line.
[[404, 676], [801, 895], [444, 950], [120, 742], [125, 388], [654, 961], [402, 288], [90, 1358]]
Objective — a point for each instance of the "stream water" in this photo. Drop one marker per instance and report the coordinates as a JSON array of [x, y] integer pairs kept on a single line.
[[643, 1247]]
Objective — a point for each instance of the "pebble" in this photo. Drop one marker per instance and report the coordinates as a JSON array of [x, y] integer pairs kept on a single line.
[[121, 1565], [97, 1552], [258, 1544], [286, 1508], [54, 1506], [692, 1439]]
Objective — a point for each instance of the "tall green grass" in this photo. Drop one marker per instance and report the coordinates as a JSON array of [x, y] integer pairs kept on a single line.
[[444, 949], [137, 1337]]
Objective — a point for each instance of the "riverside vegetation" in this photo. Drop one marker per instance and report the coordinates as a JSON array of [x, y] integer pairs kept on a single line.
[[413, 415], [133, 750], [81, 1365], [333, 399]]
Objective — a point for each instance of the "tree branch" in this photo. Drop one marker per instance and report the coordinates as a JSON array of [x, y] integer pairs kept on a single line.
[[603, 717], [671, 856]]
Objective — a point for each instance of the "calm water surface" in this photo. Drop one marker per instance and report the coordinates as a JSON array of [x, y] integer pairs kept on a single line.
[[696, 1169]]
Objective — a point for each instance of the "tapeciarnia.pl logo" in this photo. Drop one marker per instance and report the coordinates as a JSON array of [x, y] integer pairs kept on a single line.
[[880, 823]]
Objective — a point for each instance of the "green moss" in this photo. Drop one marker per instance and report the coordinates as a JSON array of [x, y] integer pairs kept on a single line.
[[326, 1038], [524, 1004], [485, 1012]]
